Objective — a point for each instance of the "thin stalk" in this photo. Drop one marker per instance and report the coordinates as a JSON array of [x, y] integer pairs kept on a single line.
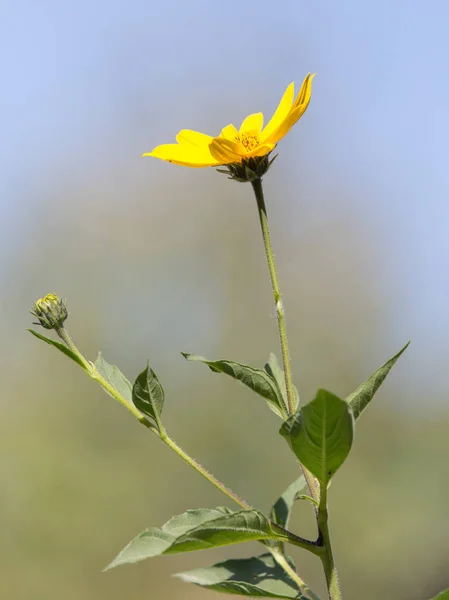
[[327, 557], [160, 431], [95, 375], [65, 337], [258, 191], [204, 472], [283, 562]]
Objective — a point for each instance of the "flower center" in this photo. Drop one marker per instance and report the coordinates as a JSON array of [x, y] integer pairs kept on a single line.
[[248, 141]]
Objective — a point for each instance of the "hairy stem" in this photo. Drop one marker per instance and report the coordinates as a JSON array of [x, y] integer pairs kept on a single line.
[[160, 431], [108, 388], [283, 562], [204, 472], [258, 191]]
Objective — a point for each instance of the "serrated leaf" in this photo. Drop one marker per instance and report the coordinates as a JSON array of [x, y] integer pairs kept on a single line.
[[114, 376], [258, 577], [363, 395], [442, 595], [273, 368], [256, 379], [148, 394], [280, 513], [197, 530], [321, 434], [60, 346]]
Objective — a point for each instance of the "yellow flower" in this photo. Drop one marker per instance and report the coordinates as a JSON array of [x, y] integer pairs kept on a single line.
[[234, 146]]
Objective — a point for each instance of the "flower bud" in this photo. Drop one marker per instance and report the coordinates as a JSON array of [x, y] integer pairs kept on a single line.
[[51, 311]]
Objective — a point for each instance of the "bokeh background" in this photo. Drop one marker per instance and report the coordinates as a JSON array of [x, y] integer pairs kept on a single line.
[[156, 259]]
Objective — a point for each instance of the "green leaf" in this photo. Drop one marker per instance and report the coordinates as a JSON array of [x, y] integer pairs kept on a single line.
[[60, 346], [273, 368], [197, 530], [234, 528], [114, 376], [280, 513], [155, 541], [442, 595], [256, 379], [148, 394], [321, 434], [363, 395], [259, 577]]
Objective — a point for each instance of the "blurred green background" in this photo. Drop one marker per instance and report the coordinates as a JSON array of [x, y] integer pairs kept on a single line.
[[156, 259]]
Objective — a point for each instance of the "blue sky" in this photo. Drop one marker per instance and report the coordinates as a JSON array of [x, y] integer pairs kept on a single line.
[[72, 70], [382, 89]]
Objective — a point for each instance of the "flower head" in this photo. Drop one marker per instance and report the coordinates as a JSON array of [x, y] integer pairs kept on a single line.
[[236, 147], [51, 311]]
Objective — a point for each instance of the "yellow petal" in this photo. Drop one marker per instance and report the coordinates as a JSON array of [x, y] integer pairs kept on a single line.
[[281, 112], [184, 155], [193, 138], [230, 133], [252, 124], [287, 124], [226, 152], [305, 92], [299, 108]]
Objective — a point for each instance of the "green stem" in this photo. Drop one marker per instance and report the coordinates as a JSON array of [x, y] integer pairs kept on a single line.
[[283, 562], [204, 472], [65, 337], [95, 375], [327, 558], [160, 431], [258, 191]]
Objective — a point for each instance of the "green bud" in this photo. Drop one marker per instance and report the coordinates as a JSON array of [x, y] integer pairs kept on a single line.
[[51, 311]]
